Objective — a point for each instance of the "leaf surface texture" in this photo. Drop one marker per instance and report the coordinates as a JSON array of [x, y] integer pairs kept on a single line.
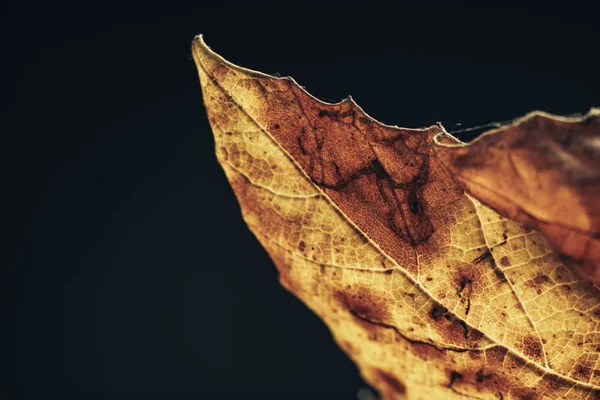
[[431, 293]]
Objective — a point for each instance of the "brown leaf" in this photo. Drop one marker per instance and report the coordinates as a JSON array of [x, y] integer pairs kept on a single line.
[[432, 294], [544, 171]]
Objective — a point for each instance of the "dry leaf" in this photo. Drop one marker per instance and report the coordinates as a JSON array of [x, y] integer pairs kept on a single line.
[[544, 171], [432, 294]]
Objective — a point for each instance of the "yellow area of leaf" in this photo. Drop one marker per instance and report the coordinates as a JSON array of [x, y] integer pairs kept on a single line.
[[432, 294]]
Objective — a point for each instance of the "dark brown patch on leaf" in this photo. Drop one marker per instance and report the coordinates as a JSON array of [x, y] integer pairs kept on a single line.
[[485, 256], [462, 284], [482, 376], [301, 245], [532, 347], [499, 275], [362, 304], [391, 382], [361, 164], [454, 376], [583, 371], [466, 281], [496, 355], [524, 394], [453, 329], [540, 279], [427, 352], [438, 311]]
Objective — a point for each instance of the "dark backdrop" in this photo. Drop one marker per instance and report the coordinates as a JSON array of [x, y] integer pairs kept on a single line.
[[136, 276]]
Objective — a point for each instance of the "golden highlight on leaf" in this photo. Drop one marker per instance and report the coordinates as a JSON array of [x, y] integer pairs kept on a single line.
[[544, 171], [432, 294]]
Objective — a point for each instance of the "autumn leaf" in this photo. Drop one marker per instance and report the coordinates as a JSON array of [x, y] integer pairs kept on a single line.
[[543, 171], [431, 293]]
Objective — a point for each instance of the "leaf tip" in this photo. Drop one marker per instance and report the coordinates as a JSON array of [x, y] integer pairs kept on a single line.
[[200, 49], [206, 59]]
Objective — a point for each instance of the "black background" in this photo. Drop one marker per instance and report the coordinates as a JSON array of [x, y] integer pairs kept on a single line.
[[140, 279]]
